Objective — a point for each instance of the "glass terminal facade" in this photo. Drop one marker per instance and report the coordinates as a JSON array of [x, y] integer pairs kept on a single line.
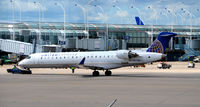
[[134, 36]]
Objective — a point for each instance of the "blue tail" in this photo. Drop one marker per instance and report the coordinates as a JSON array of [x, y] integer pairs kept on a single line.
[[138, 21], [161, 43]]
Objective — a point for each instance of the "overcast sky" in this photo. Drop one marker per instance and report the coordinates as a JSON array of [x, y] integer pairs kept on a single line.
[[158, 12]]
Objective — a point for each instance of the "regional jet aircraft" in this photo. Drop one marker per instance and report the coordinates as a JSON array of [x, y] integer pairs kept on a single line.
[[100, 60]]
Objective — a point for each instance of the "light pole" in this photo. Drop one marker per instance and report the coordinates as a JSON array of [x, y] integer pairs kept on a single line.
[[13, 18], [106, 23], [181, 17], [84, 14], [64, 25], [198, 11], [39, 21], [20, 12], [172, 25], [87, 17], [153, 14], [120, 11], [162, 13], [185, 10], [103, 12], [138, 10], [172, 13]]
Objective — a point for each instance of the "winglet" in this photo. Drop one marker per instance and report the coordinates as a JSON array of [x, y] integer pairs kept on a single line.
[[82, 61]]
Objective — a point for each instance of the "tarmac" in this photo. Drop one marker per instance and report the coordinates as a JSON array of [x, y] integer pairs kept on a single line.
[[132, 87]]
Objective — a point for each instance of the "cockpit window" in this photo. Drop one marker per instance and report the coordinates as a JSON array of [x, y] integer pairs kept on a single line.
[[29, 57]]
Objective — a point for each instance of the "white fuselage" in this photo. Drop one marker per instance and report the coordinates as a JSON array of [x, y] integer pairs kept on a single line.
[[93, 60]]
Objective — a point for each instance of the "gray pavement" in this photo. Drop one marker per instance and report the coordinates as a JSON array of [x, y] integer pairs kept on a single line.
[[131, 89]]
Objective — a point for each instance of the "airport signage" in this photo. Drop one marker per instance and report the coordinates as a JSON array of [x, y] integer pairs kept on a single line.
[[61, 42], [127, 37]]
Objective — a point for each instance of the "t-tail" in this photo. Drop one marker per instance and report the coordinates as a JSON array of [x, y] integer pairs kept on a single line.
[[138, 21], [161, 42]]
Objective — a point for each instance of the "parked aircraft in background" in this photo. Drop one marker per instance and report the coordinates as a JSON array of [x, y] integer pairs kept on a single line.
[[138, 21]]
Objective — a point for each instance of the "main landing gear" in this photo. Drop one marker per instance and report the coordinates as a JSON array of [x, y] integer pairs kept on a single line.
[[95, 73], [107, 73]]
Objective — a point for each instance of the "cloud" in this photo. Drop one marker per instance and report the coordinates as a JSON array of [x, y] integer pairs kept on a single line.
[[25, 6], [122, 13], [100, 17], [75, 15]]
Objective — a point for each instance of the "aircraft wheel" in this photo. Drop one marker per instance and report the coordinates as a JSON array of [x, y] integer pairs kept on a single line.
[[108, 73], [95, 73], [29, 72]]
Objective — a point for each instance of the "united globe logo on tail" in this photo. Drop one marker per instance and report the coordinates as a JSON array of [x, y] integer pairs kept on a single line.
[[156, 47], [161, 42]]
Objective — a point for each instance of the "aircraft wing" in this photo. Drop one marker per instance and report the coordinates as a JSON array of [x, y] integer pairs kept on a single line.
[[95, 66], [83, 65]]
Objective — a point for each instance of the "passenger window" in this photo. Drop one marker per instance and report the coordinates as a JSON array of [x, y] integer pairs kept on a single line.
[[41, 57]]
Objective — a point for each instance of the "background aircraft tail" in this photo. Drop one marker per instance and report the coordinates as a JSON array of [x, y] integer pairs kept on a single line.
[[161, 42], [138, 21]]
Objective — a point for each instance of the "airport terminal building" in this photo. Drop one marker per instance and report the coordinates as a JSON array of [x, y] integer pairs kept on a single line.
[[100, 37]]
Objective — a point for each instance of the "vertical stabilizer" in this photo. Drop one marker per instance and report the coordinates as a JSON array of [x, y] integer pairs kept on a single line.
[[161, 43], [138, 21]]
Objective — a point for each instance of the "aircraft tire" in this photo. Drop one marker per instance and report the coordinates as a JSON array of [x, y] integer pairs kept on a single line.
[[108, 73], [95, 73], [29, 72]]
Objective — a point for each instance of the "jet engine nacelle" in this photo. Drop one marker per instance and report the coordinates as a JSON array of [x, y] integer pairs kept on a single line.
[[125, 54]]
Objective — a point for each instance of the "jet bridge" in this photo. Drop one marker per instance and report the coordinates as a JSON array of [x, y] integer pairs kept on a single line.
[[17, 47]]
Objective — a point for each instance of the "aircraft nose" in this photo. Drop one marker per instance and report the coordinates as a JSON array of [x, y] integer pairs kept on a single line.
[[21, 63]]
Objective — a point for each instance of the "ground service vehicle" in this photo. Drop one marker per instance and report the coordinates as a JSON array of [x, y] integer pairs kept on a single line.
[[191, 65], [164, 65], [16, 70]]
